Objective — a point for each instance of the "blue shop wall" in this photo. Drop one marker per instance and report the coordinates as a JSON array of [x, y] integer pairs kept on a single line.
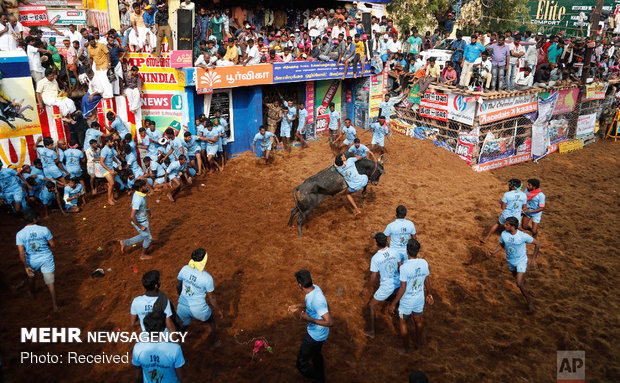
[[248, 116]]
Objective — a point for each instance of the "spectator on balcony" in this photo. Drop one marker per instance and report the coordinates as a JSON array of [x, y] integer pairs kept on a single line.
[[252, 55], [472, 52], [125, 17], [47, 93], [163, 29], [140, 35], [543, 76], [91, 99], [431, 74], [273, 57], [232, 51], [190, 6], [116, 53], [100, 61], [205, 60], [524, 80], [34, 58], [325, 50], [133, 89], [339, 49], [57, 60], [448, 74], [216, 25], [485, 66], [72, 58], [203, 22], [501, 52]]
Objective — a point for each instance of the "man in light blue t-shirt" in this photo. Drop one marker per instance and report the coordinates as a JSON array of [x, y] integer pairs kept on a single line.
[[194, 284], [144, 304], [285, 128], [348, 135], [400, 231], [263, 137], [334, 122], [385, 264], [316, 312], [380, 130], [414, 291], [302, 116], [355, 181], [11, 191], [514, 242], [513, 203], [33, 243], [157, 362], [139, 220], [361, 150]]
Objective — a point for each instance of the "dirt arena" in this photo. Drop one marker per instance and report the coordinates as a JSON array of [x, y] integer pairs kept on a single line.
[[477, 330]]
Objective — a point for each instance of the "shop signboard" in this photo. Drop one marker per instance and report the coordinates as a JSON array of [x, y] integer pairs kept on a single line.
[[312, 71], [31, 15], [67, 17], [234, 76]]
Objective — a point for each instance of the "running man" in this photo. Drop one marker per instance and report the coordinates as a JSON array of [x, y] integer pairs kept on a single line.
[[211, 137], [145, 304], [302, 116], [194, 283], [316, 312], [33, 243], [355, 181], [400, 231], [139, 220], [514, 242], [415, 289], [193, 148], [361, 150], [157, 361], [380, 130], [264, 139], [108, 158], [222, 124], [535, 206], [285, 128], [513, 203], [385, 263], [334, 124], [347, 137]]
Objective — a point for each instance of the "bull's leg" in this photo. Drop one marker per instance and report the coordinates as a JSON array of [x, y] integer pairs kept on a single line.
[[364, 191], [293, 212], [300, 221]]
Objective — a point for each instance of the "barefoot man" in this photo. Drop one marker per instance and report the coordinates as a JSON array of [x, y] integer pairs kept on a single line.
[[33, 243], [514, 241], [513, 203], [535, 206], [385, 263], [415, 289], [355, 181], [140, 220], [264, 139]]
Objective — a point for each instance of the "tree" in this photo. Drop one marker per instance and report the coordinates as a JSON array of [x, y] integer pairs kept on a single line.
[[409, 13]]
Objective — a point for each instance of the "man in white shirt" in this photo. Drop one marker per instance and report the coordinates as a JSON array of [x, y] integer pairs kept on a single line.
[[47, 93], [485, 69], [516, 61], [524, 80], [34, 59], [5, 33], [73, 34], [338, 29], [252, 54], [313, 25], [375, 27], [395, 46]]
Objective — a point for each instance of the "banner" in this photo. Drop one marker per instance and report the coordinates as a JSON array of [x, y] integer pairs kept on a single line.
[[558, 131], [233, 76], [540, 135], [377, 90], [313, 70], [503, 108], [586, 125], [156, 72], [595, 91], [330, 93], [494, 149], [567, 99], [62, 3], [448, 106], [19, 115], [467, 142], [310, 101], [181, 59], [30, 15], [67, 17], [501, 163]]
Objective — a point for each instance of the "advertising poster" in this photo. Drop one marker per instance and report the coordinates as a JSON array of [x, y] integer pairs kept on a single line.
[[501, 109], [540, 135], [558, 131], [494, 149], [595, 91], [31, 15], [67, 17], [567, 99], [448, 106], [167, 109], [467, 143], [376, 94], [310, 101], [586, 125], [156, 72], [18, 107], [326, 92]]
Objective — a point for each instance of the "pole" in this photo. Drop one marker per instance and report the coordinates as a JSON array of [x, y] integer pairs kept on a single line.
[[596, 15]]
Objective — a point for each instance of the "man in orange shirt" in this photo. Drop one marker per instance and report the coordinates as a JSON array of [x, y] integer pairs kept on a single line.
[[239, 17]]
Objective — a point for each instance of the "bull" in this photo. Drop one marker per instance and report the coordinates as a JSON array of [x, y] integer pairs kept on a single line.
[[329, 182]]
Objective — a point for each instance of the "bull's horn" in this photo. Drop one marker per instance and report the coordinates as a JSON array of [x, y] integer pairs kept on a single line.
[[383, 161], [380, 157]]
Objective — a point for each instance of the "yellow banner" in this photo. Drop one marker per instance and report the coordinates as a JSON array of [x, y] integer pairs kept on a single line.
[[156, 72]]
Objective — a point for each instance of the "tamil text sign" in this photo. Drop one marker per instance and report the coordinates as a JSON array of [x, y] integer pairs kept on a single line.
[[313, 70], [233, 76]]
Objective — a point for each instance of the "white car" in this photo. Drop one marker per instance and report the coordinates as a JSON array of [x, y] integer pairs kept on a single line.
[[441, 52]]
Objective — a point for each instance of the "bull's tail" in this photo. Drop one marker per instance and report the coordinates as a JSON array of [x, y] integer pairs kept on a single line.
[[295, 198]]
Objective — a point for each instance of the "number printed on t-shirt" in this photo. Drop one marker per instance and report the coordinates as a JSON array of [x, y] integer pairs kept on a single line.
[[154, 358]]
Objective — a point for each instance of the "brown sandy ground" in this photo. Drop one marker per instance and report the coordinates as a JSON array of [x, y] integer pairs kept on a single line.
[[477, 331]]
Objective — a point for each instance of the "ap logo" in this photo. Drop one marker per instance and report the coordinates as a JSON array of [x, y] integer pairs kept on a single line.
[[571, 367]]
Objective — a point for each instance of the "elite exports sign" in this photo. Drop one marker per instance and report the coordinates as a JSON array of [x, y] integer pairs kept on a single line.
[[313, 70]]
